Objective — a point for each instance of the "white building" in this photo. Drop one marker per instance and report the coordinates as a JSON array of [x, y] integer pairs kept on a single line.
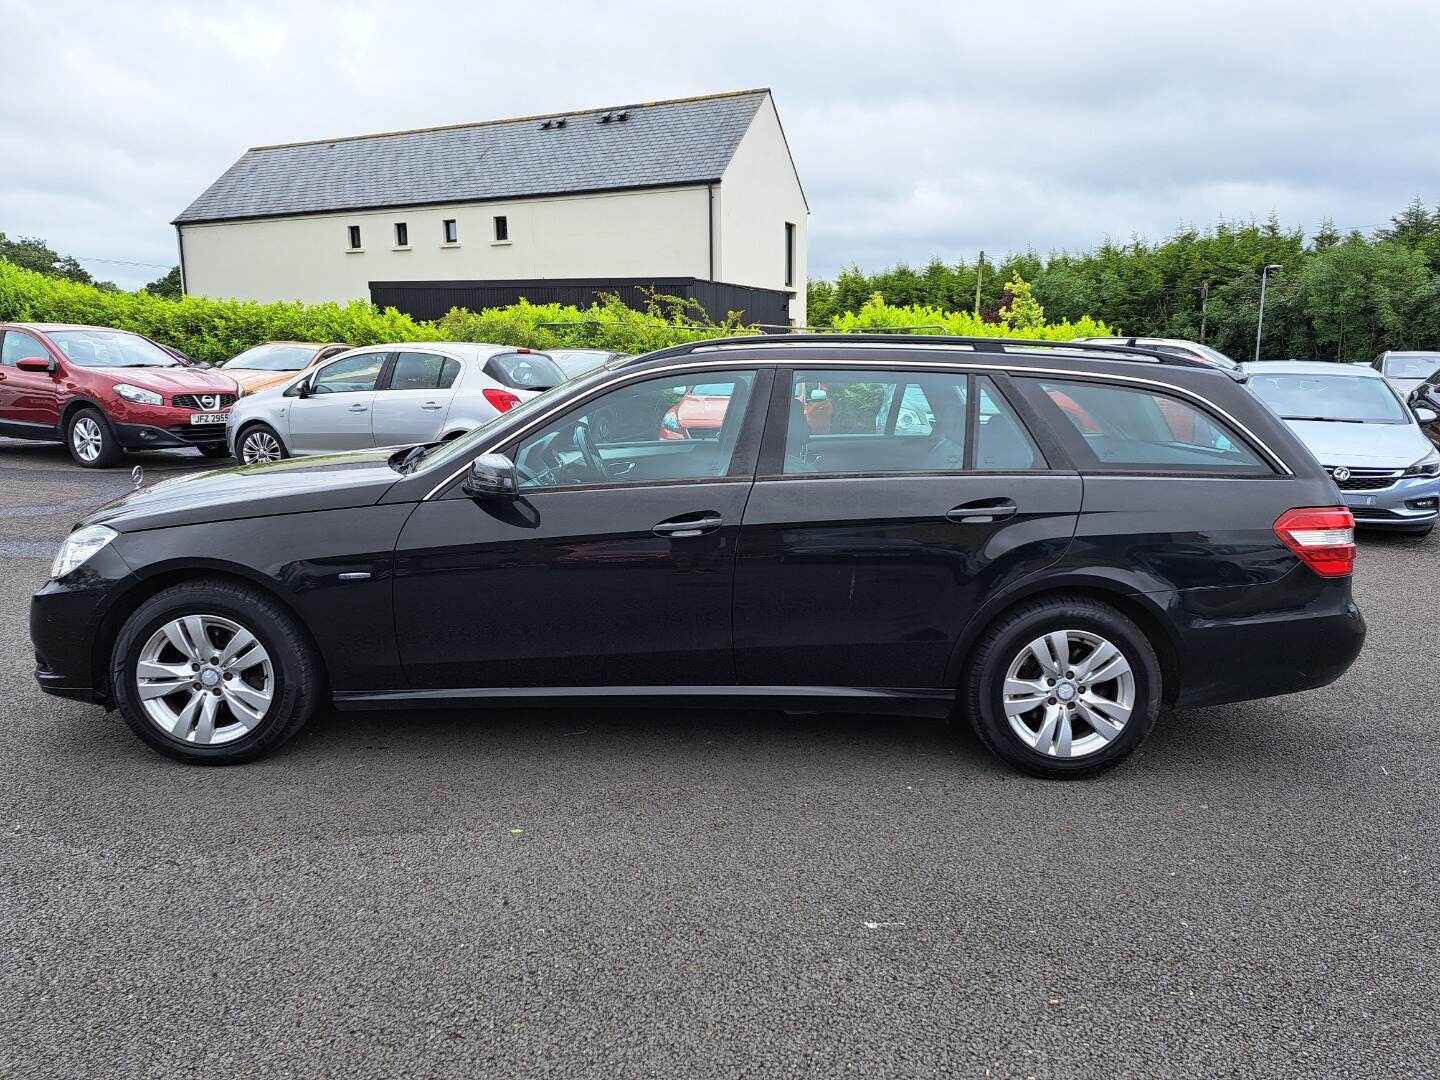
[[697, 196]]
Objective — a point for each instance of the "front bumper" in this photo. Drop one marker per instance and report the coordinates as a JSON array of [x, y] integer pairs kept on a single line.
[[67, 620], [1412, 503], [151, 437]]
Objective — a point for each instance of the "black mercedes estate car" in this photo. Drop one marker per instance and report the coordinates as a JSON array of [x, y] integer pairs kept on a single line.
[[1049, 540]]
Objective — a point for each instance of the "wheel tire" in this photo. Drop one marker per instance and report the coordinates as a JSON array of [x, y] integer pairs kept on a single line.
[[1007, 643], [221, 451], [259, 443], [295, 686], [91, 443]]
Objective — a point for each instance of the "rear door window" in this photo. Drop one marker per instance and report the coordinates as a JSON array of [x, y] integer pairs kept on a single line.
[[1107, 426], [858, 422], [423, 371]]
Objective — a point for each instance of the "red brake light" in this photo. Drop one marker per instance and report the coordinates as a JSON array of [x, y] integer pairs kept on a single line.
[[503, 400], [1322, 536]]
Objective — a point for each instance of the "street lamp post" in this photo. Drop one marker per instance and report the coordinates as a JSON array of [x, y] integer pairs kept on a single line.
[[1260, 322]]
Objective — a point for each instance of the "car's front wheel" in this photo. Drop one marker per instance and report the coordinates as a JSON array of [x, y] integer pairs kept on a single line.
[[258, 444], [92, 444], [1063, 687], [214, 672]]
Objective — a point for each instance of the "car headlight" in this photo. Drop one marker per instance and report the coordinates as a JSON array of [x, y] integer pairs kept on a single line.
[[138, 394], [79, 546], [1429, 465]]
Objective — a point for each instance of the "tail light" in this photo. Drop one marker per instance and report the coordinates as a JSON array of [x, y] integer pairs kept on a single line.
[[1322, 536], [503, 400]]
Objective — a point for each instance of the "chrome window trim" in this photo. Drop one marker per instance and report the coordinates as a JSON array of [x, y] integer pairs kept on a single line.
[[740, 360]]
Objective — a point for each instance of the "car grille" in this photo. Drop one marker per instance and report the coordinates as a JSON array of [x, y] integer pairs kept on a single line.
[[1366, 479], [1373, 513], [192, 401]]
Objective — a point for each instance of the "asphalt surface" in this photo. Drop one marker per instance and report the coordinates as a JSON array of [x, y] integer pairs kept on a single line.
[[696, 894]]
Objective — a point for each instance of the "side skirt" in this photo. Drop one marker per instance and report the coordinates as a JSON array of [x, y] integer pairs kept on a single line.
[[909, 702]]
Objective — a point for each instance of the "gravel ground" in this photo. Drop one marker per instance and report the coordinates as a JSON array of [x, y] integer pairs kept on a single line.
[[607, 894]]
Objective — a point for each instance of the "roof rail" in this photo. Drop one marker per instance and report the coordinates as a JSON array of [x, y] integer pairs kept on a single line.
[[992, 345]]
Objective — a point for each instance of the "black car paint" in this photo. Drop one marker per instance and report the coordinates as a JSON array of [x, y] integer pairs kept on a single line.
[[857, 590]]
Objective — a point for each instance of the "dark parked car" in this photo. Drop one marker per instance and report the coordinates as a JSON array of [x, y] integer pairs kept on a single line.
[[1053, 580]]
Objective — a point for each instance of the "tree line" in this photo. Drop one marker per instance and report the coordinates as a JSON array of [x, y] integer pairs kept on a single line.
[[1336, 297]]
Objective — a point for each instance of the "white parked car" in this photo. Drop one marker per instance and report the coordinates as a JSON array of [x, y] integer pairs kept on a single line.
[[1174, 346], [387, 395]]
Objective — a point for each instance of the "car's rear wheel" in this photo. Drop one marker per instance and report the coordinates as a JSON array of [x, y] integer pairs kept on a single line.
[[214, 672], [258, 444], [1063, 687], [92, 444]]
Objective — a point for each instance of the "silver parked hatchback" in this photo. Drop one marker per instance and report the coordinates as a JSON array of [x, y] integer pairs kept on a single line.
[[387, 395]]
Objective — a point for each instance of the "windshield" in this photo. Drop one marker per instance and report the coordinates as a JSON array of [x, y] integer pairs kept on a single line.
[[110, 348], [274, 358], [1340, 398], [1412, 367]]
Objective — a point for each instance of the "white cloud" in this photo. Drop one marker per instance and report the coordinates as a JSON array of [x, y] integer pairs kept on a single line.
[[919, 129]]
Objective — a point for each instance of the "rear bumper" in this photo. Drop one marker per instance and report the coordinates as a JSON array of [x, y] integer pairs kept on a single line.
[[1256, 641]]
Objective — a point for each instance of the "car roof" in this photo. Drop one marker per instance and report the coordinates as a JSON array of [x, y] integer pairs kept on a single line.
[[470, 349], [304, 344], [1410, 352], [46, 327], [1310, 367]]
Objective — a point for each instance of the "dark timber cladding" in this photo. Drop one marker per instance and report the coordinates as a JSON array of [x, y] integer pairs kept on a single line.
[[432, 299]]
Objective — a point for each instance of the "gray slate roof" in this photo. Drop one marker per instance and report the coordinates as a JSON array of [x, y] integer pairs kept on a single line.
[[658, 144]]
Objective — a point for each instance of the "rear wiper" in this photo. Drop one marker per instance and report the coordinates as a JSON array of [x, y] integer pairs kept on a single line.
[[1325, 419]]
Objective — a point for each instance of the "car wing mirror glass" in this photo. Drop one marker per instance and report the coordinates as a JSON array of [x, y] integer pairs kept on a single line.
[[35, 363], [492, 476]]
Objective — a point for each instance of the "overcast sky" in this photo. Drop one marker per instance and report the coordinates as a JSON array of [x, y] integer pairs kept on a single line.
[[918, 130]]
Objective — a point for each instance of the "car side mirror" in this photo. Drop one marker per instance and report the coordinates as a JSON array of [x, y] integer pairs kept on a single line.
[[492, 476], [301, 389], [35, 363], [1424, 414], [819, 395]]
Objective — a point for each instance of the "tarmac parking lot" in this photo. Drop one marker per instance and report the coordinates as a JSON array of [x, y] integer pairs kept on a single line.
[[695, 894]]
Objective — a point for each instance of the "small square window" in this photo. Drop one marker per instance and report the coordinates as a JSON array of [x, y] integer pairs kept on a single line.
[[452, 234], [355, 237], [402, 234], [502, 228]]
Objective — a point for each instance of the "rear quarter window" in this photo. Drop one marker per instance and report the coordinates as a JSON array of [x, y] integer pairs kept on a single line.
[[1110, 427]]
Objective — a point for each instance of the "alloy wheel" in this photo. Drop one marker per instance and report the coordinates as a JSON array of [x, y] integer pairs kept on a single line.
[[1069, 693], [260, 447], [86, 438], [204, 679]]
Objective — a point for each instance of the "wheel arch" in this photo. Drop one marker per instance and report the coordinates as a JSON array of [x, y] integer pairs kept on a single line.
[[73, 406], [253, 422], [159, 578], [1140, 608]]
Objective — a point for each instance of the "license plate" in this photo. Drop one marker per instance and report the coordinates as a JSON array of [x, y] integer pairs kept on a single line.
[[208, 418]]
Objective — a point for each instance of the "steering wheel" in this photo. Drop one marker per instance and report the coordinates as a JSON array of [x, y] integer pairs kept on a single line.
[[592, 457]]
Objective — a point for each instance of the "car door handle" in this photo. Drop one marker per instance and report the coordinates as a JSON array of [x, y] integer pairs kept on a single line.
[[359, 408], [981, 511], [432, 405], [690, 525]]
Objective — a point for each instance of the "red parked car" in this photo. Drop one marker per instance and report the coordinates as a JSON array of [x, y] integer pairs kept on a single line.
[[104, 391]]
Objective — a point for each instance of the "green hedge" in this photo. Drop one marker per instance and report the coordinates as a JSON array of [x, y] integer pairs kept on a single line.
[[216, 330]]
